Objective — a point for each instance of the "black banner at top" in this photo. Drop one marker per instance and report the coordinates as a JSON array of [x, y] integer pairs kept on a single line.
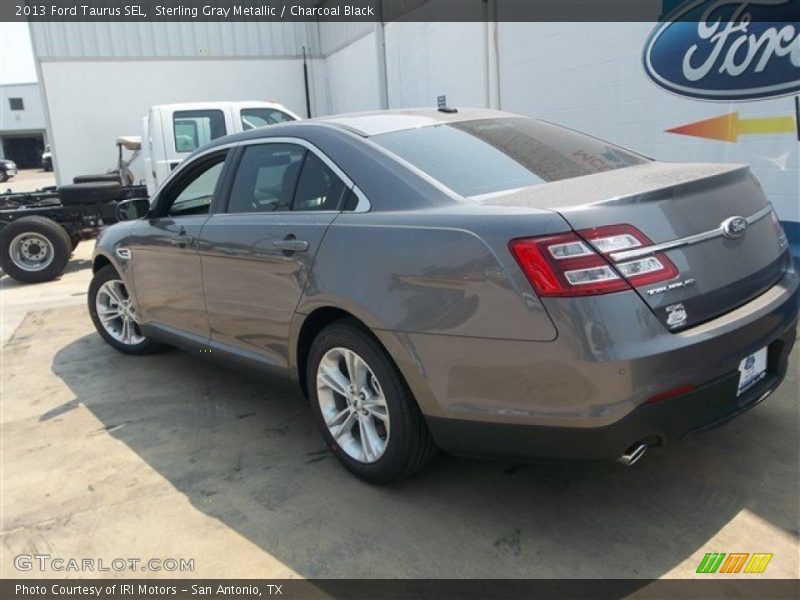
[[137, 11]]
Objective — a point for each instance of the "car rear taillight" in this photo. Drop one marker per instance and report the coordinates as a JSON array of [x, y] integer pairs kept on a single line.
[[641, 271], [579, 263], [564, 265]]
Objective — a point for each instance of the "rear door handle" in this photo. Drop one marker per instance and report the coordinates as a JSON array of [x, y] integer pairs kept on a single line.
[[291, 245]]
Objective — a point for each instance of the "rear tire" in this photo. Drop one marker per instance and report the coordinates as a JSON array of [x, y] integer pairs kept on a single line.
[[34, 249], [374, 428], [114, 316]]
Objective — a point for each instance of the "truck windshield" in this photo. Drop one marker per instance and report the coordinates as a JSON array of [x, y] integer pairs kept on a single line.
[[485, 156]]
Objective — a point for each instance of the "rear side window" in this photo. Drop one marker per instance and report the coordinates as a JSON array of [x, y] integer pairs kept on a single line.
[[266, 178], [253, 118], [193, 128], [492, 155], [319, 187]]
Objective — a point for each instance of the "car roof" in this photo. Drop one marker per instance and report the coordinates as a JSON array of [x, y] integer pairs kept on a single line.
[[386, 121]]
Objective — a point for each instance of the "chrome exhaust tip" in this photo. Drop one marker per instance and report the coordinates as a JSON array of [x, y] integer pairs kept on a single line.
[[632, 454]]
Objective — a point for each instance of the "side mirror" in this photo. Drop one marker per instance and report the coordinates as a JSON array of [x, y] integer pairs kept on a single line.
[[133, 209]]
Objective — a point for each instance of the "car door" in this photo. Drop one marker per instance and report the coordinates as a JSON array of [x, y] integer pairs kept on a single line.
[[166, 265], [258, 251]]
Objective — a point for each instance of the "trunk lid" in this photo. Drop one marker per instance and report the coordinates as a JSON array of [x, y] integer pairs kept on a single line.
[[685, 207]]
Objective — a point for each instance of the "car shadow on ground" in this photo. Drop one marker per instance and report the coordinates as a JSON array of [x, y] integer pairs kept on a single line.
[[246, 452]]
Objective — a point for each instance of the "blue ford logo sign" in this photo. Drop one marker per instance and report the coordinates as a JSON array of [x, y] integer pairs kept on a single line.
[[727, 49]]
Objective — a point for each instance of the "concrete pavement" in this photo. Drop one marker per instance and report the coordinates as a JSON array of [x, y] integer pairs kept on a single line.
[[170, 456]]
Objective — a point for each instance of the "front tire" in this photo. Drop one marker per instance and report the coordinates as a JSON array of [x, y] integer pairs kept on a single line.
[[363, 406], [114, 315]]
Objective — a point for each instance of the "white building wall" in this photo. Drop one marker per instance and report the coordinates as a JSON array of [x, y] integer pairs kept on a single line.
[[426, 60], [351, 76], [93, 102], [31, 118]]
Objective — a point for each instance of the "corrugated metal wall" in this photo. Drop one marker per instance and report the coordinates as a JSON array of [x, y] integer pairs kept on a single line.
[[31, 118], [82, 41]]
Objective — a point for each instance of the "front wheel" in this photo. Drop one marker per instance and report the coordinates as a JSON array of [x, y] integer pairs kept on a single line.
[[364, 408], [114, 315]]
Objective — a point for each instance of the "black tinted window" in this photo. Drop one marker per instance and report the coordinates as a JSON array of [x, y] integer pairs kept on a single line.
[[319, 187], [492, 155], [266, 178], [193, 128]]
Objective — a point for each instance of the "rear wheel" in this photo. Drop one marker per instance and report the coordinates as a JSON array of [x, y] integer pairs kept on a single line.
[[34, 249], [114, 315], [363, 406]]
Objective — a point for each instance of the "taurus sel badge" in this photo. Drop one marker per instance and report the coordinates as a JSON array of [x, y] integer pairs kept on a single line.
[[733, 227], [676, 315]]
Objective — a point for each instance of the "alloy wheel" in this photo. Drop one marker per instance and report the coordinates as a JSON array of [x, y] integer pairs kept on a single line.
[[117, 313], [353, 405]]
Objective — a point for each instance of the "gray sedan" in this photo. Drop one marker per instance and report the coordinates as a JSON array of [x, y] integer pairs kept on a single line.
[[474, 281]]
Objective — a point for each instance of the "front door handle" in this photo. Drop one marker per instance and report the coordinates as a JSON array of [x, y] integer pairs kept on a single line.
[[290, 244]]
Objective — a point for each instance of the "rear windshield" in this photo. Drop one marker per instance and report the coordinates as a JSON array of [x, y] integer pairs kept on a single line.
[[473, 158]]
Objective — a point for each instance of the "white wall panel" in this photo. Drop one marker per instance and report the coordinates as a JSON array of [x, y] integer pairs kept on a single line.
[[92, 103], [425, 60], [352, 77]]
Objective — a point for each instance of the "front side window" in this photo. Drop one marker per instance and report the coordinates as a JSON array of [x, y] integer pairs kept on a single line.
[[283, 177], [493, 155], [253, 118], [16, 104], [193, 128], [193, 192]]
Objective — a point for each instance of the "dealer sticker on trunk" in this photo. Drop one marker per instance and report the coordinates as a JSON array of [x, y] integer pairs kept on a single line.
[[752, 370]]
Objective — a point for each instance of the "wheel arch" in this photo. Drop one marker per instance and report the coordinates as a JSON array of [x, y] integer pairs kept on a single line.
[[397, 347], [100, 261]]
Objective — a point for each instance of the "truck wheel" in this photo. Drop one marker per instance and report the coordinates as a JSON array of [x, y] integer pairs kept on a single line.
[[34, 249]]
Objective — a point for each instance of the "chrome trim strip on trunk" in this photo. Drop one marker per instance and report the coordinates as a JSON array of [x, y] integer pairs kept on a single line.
[[686, 241]]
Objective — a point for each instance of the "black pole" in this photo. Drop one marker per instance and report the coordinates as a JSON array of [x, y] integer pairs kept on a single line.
[[305, 81]]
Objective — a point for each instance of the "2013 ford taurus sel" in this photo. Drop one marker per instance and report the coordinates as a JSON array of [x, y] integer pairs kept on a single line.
[[475, 281]]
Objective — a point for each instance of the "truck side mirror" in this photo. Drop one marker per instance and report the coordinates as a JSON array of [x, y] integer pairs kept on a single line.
[[133, 209]]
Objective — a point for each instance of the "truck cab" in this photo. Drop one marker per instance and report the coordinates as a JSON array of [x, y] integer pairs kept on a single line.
[[170, 132]]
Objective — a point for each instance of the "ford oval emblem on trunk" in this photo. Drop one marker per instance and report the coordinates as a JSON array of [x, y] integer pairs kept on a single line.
[[734, 227], [727, 50]]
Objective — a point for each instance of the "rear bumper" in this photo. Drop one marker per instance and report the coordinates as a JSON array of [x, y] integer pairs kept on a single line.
[[706, 407]]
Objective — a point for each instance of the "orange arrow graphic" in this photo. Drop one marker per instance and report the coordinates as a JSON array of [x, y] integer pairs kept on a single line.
[[729, 127]]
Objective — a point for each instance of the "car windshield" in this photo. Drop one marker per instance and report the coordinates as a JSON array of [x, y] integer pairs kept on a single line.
[[485, 156]]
